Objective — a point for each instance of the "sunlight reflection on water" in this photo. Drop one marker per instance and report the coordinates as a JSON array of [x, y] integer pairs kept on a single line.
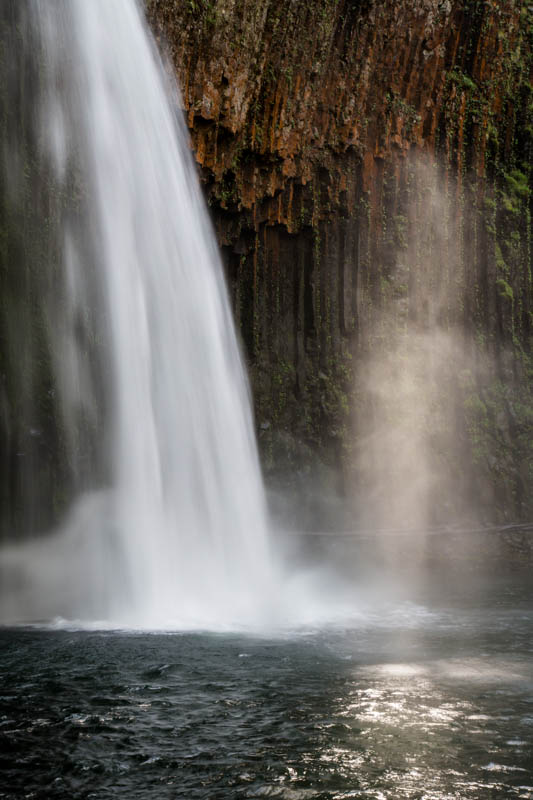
[[422, 703]]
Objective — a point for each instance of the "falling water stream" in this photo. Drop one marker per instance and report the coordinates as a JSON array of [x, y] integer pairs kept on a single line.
[[180, 535]]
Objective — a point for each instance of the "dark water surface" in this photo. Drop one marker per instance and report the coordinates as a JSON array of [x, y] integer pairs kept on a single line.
[[412, 701]]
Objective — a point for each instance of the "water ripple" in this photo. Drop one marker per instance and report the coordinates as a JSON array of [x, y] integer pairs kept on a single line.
[[424, 713]]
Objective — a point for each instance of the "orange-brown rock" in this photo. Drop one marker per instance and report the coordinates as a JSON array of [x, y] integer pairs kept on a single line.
[[308, 119]]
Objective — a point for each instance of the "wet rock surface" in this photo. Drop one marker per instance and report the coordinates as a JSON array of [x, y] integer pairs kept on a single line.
[[309, 123]]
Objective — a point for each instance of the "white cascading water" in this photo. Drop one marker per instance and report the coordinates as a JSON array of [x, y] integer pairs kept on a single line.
[[181, 537]]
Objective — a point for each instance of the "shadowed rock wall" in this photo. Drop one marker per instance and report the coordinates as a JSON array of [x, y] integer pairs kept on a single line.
[[309, 122]]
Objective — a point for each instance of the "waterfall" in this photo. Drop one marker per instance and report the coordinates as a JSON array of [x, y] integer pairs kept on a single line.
[[172, 529]]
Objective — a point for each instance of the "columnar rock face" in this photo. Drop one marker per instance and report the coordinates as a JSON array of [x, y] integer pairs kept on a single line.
[[369, 170]]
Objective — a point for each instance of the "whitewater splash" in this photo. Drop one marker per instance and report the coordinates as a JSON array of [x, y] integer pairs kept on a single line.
[[181, 534]]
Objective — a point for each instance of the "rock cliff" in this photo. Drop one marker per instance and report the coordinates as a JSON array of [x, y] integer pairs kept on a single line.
[[368, 167]]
